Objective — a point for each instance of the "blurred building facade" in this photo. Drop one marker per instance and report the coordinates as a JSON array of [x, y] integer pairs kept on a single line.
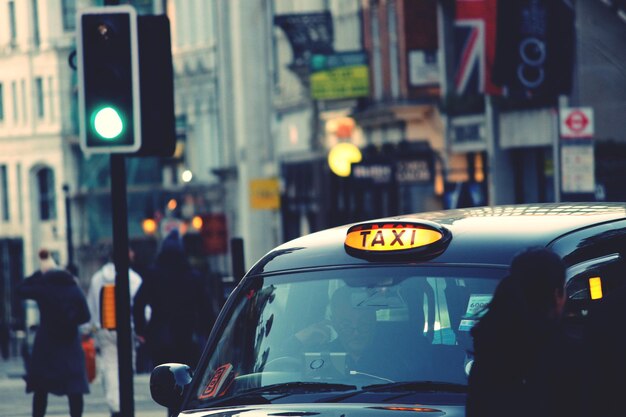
[[37, 131]]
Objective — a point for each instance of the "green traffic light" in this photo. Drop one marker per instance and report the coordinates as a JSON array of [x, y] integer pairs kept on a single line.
[[108, 123]]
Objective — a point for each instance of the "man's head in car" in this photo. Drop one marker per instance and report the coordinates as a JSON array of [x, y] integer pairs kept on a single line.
[[353, 323]]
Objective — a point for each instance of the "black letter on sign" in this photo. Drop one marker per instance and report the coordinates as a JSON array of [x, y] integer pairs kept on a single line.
[[364, 234], [378, 239], [397, 237]]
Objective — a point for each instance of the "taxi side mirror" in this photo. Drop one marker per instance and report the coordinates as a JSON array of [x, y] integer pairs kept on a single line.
[[168, 382]]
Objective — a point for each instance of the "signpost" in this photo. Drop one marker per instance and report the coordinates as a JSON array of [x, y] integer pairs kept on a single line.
[[577, 153]]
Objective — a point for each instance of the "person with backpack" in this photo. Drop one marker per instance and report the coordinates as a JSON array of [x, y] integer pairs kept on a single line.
[[57, 363], [100, 297]]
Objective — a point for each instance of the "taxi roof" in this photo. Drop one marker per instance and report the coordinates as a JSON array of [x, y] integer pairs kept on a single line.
[[480, 235]]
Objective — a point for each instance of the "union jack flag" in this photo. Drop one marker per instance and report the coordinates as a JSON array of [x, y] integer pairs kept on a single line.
[[474, 33]]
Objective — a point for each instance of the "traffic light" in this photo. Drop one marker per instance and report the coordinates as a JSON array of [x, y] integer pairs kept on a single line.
[[125, 82], [108, 74]]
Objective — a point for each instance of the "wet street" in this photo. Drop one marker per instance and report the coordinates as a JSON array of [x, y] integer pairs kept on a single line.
[[15, 402]]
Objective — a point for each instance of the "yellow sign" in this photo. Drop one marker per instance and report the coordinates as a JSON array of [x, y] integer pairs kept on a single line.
[[595, 288], [342, 156], [341, 82], [265, 194], [390, 237]]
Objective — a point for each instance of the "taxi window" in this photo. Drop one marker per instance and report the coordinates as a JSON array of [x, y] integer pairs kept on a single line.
[[356, 326], [590, 282]]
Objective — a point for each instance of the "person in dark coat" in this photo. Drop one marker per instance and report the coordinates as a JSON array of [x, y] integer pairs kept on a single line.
[[604, 347], [173, 290], [57, 363], [524, 362]]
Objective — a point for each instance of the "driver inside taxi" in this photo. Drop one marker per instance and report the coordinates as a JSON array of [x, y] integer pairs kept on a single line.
[[350, 330]]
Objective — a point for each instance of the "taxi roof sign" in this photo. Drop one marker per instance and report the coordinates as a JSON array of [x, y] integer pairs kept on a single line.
[[396, 238]]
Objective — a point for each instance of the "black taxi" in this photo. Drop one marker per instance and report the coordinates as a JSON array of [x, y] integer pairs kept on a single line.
[[373, 318]]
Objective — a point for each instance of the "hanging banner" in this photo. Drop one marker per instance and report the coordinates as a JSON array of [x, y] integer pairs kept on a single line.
[[475, 46], [535, 47], [308, 33]]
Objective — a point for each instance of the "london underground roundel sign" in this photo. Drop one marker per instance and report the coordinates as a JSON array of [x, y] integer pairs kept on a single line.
[[577, 122]]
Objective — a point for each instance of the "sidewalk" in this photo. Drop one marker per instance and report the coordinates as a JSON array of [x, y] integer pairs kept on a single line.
[[14, 402]]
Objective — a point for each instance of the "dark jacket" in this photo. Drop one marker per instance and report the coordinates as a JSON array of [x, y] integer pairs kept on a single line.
[[604, 346], [57, 363], [175, 294], [523, 365], [541, 383]]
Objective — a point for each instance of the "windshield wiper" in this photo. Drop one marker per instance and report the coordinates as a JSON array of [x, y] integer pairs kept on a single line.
[[284, 389], [404, 386], [417, 386], [298, 388]]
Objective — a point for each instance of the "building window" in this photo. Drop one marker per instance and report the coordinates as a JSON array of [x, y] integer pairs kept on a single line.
[[1, 103], [12, 23], [47, 200], [4, 194], [24, 113], [39, 91], [20, 207], [69, 15], [14, 94], [36, 35], [51, 98]]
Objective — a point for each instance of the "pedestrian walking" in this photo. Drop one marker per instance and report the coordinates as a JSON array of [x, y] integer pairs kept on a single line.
[[604, 347], [174, 292], [524, 362], [57, 363], [101, 287]]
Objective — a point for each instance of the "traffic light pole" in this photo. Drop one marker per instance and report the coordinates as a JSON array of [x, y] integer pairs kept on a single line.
[[122, 293]]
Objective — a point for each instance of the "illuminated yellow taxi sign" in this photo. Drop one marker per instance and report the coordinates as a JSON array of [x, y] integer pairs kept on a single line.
[[383, 237], [595, 288]]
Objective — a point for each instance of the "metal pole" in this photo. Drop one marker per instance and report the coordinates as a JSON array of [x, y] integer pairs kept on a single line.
[[237, 258], [122, 293], [68, 228]]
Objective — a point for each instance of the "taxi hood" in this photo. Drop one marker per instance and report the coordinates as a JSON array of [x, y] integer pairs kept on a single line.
[[331, 410]]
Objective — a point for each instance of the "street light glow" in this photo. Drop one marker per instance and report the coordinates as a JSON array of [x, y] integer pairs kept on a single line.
[[187, 175]]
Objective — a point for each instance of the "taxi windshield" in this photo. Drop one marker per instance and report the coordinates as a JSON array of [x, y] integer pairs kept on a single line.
[[340, 330]]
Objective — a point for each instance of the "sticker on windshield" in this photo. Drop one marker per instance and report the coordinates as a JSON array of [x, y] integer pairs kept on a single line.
[[476, 308], [221, 379], [477, 304], [466, 325]]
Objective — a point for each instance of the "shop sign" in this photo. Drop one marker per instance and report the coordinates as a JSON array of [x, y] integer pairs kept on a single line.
[[468, 133], [377, 173], [423, 68], [339, 76], [413, 171], [214, 233], [265, 194]]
